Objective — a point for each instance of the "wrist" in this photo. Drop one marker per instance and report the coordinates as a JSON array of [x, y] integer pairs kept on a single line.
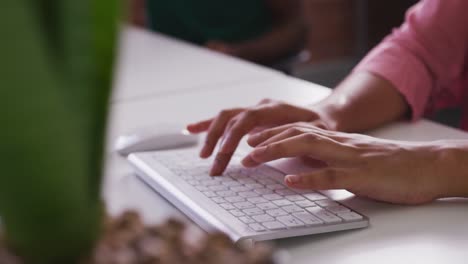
[[452, 168], [331, 114]]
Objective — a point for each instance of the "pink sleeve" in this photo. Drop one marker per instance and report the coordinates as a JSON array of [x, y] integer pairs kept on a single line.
[[426, 53]]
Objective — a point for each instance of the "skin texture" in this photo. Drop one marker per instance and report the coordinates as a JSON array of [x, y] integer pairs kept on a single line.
[[385, 170]]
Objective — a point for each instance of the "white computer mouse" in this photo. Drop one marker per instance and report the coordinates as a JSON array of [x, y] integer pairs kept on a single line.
[[158, 137]]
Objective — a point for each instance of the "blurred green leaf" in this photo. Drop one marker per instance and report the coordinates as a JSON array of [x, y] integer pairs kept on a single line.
[[55, 79]]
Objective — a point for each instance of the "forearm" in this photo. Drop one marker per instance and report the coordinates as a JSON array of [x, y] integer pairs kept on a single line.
[[281, 41], [361, 102]]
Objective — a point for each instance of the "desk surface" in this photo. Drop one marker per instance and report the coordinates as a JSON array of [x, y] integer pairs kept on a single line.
[[153, 64], [433, 233]]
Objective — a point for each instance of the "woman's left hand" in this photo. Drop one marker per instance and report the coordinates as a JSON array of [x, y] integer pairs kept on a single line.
[[385, 170]]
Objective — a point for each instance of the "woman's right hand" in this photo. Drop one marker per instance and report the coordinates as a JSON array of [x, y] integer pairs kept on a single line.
[[231, 125]]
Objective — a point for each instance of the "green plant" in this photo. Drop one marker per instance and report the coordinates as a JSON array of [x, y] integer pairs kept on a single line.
[[55, 78]]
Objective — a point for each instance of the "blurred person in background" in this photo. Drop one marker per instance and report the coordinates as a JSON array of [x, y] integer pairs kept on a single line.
[[420, 68], [269, 32]]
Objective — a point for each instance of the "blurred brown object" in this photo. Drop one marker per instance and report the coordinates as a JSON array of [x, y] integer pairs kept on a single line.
[[330, 26], [334, 25], [126, 240], [137, 12]]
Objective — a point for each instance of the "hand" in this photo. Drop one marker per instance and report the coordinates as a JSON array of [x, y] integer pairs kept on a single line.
[[385, 170], [222, 47], [233, 124]]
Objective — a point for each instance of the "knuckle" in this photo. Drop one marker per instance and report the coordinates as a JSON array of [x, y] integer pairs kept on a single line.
[[250, 114], [294, 130], [226, 112], [310, 138], [275, 148], [231, 123], [266, 101]]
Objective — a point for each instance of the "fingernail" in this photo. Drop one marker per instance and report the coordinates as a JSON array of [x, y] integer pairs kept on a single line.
[[204, 152], [293, 179]]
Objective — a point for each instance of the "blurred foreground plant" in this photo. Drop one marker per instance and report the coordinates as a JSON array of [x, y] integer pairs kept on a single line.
[[55, 79]]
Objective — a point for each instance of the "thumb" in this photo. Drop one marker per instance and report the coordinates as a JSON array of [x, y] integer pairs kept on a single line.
[[324, 179]]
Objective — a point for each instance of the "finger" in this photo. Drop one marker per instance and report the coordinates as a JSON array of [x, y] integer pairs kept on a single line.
[[288, 133], [320, 124], [255, 139], [310, 144], [324, 179], [215, 131], [298, 128], [199, 127], [239, 127]]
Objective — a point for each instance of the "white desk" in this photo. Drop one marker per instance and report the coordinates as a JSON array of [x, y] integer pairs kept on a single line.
[[154, 64], [433, 233]]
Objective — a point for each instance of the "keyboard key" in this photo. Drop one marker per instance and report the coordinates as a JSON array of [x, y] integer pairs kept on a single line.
[[324, 214], [276, 212], [246, 180], [209, 194], [257, 227], [234, 199], [284, 192], [218, 188], [325, 203], [253, 186], [292, 208], [263, 218], [257, 200], [201, 188], [187, 177], [290, 221], [282, 202], [244, 205], [263, 191], [226, 193], [253, 211], [337, 209], [275, 187], [314, 196], [308, 219], [227, 206], [305, 203], [236, 213], [218, 200], [267, 206], [350, 216], [295, 198], [272, 197], [274, 225], [194, 182], [210, 182], [248, 194], [266, 181], [240, 188], [231, 183], [246, 219]]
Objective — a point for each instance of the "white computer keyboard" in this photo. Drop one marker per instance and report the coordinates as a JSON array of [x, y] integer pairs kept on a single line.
[[257, 198]]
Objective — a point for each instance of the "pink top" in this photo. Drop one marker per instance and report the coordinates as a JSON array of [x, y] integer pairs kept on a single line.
[[426, 59]]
